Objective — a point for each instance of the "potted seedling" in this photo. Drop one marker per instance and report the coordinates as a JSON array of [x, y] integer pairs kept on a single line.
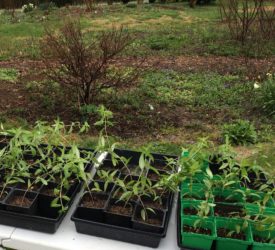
[[197, 232], [255, 176], [197, 229], [153, 196], [146, 216], [233, 234], [223, 159], [6, 182], [94, 201], [192, 163], [119, 211], [148, 219], [97, 192], [193, 192], [263, 232], [194, 208], [20, 200], [66, 172], [229, 211], [257, 197], [15, 171]]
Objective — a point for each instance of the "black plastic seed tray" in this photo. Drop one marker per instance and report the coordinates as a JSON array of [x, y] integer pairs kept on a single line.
[[125, 234], [129, 235], [134, 155], [35, 222]]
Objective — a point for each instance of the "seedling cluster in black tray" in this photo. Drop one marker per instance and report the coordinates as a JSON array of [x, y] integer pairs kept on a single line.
[[119, 202], [39, 184]]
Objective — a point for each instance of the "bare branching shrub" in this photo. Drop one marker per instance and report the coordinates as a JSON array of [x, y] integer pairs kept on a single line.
[[85, 65], [240, 16], [250, 22], [248, 18], [267, 22]]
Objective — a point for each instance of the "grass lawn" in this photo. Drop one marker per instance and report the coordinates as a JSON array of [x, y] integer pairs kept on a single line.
[[195, 77], [159, 30]]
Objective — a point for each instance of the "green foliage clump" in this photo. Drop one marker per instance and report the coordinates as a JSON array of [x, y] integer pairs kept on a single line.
[[8, 74], [241, 132], [167, 88]]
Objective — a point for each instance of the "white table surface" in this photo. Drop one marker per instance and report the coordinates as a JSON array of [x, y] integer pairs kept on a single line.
[[5, 232], [66, 237]]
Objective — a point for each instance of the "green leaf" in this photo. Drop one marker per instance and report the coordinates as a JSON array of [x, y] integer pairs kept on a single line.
[[229, 183], [238, 228], [66, 198], [209, 173], [44, 182], [125, 195], [143, 214], [141, 162]]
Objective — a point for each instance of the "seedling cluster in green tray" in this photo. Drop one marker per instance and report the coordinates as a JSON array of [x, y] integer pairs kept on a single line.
[[227, 206]]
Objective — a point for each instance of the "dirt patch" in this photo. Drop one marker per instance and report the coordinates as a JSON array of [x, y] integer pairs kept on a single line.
[[260, 239], [20, 201], [190, 211], [152, 221], [226, 233], [48, 191], [253, 68], [94, 201], [187, 64], [228, 210], [153, 204], [34, 187], [125, 210]]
